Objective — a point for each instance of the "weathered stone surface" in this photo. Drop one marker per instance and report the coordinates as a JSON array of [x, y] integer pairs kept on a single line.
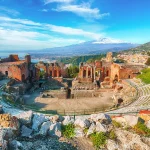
[[112, 145], [25, 117], [104, 118], [131, 120], [26, 132], [55, 130], [44, 128], [129, 140], [15, 145], [79, 132], [100, 127], [91, 129], [83, 123], [38, 119], [148, 124], [121, 120], [67, 120]]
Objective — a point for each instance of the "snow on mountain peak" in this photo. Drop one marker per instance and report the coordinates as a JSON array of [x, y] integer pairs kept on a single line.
[[107, 41]]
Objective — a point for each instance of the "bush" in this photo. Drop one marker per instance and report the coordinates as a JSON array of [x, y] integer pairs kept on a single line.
[[112, 135], [68, 131], [116, 124], [98, 139], [145, 75], [142, 129]]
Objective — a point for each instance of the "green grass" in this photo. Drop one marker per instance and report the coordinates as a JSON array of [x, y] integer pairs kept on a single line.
[[112, 135], [145, 75], [68, 131], [116, 124], [142, 129], [98, 139]]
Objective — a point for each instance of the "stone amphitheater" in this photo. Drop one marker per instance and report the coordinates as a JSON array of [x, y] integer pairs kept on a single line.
[[142, 100]]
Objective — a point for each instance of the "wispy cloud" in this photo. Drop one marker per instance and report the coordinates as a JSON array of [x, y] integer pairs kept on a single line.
[[44, 10], [21, 21], [83, 10], [57, 1], [9, 11], [74, 31], [6, 21]]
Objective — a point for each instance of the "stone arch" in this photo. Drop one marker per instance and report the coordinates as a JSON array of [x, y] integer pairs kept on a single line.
[[89, 73], [55, 73], [84, 73], [23, 77]]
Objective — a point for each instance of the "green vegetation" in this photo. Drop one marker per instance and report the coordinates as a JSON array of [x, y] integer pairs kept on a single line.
[[142, 129], [112, 135], [98, 139], [143, 47], [77, 59], [145, 75], [42, 73], [119, 61], [73, 71], [148, 62], [68, 131], [116, 124]]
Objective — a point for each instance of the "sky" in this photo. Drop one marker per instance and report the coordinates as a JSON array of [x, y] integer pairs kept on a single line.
[[39, 24]]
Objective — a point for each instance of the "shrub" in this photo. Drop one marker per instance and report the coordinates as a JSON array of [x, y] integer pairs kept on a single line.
[[116, 124], [112, 135], [85, 130], [68, 131], [141, 128], [98, 139]]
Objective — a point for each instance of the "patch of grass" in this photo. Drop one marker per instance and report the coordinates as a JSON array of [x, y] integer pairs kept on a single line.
[[98, 139], [85, 130], [112, 135], [142, 129], [116, 124], [68, 131], [145, 75]]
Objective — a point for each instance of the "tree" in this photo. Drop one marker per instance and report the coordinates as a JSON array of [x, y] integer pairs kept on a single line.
[[148, 62]]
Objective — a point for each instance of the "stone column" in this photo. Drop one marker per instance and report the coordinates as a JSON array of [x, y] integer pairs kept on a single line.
[[52, 72], [57, 73], [87, 72], [91, 73], [82, 72], [94, 73]]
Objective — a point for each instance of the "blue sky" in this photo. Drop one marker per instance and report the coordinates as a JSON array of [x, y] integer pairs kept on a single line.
[[38, 24]]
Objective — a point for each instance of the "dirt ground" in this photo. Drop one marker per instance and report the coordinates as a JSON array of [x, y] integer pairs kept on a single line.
[[70, 104]]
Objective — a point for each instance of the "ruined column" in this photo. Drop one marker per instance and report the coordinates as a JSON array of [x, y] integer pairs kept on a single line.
[[87, 72], [91, 73], [82, 72], [57, 73], [52, 72], [94, 72]]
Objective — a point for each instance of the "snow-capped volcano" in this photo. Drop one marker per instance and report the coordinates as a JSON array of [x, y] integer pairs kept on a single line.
[[108, 41]]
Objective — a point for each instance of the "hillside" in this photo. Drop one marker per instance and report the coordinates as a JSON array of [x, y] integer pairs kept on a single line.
[[143, 47]]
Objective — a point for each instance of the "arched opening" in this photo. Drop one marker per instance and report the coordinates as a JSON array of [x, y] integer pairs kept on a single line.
[[6, 73], [40, 85], [55, 73], [69, 93], [129, 77], [51, 73], [107, 73], [89, 73], [84, 73], [60, 73], [23, 77], [116, 78], [42, 73]]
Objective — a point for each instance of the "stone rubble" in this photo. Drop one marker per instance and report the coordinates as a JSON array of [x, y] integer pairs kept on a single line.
[[28, 130]]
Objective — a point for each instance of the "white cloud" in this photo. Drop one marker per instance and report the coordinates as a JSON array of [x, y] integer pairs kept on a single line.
[[44, 10], [73, 31], [21, 21], [9, 11], [83, 10], [57, 1]]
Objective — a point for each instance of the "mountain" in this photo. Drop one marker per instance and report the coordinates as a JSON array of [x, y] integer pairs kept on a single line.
[[102, 45], [143, 47]]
